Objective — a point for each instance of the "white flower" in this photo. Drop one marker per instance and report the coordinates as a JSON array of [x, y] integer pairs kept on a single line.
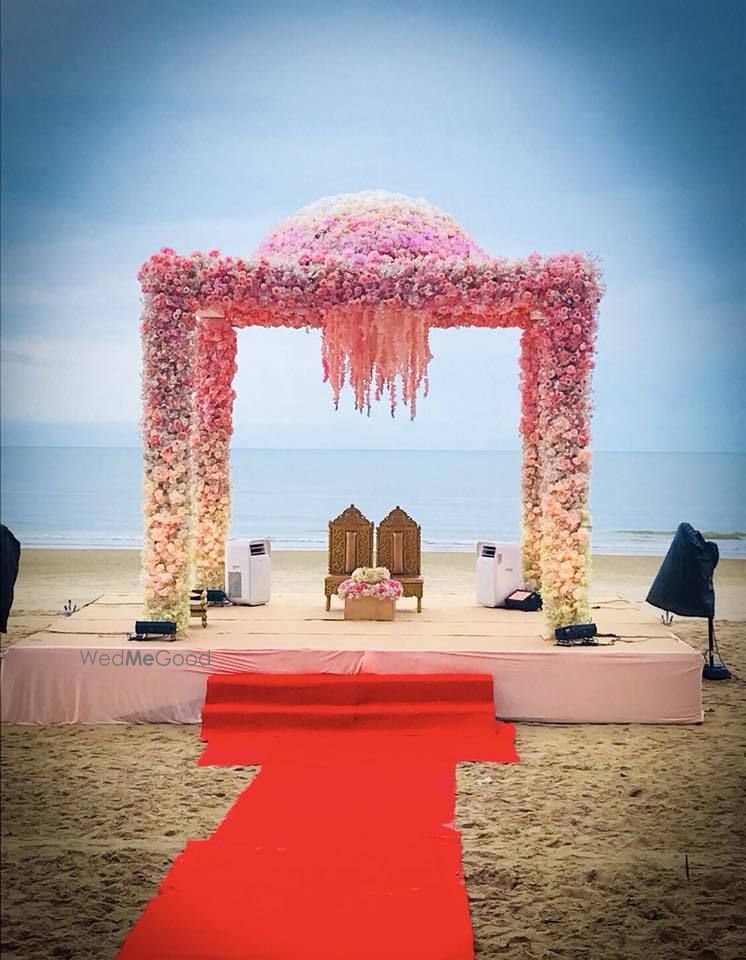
[[370, 574]]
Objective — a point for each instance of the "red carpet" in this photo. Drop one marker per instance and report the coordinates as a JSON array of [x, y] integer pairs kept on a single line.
[[343, 847]]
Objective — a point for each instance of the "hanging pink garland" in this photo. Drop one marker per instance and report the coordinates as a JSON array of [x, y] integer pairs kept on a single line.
[[377, 350]]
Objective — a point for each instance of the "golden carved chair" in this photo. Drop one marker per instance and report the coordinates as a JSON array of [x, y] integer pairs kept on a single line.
[[399, 548], [350, 546]]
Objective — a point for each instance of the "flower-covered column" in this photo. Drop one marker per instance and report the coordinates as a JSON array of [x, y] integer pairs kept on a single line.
[[215, 366], [570, 302], [168, 352], [533, 343]]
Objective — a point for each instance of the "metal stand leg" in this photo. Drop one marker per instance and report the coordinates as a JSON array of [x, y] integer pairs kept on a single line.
[[713, 670]]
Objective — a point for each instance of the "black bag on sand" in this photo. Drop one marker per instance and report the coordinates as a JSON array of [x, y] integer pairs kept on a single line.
[[684, 582], [10, 554]]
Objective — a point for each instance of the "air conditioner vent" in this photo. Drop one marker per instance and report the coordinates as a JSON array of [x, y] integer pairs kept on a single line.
[[257, 549], [488, 551], [234, 585]]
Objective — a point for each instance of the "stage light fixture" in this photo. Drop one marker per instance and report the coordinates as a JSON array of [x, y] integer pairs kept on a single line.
[[217, 598], [528, 600], [154, 630], [576, 634]]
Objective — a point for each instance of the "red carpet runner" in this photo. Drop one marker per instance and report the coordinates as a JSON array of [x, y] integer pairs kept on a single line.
[[343, 846]]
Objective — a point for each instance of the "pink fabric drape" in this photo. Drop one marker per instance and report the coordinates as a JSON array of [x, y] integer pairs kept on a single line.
[[533, 682]]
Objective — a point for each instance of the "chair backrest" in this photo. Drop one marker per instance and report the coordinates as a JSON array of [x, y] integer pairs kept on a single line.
[[399, 544], [350, 542]]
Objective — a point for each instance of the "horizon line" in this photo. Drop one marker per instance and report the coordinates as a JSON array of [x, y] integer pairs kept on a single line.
[[267, 449]]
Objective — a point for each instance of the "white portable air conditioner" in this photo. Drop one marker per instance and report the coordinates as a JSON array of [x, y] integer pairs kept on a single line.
[[248, 571], [498, 572]]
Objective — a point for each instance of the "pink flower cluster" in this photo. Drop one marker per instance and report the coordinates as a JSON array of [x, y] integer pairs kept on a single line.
[[382, 589], [168, 335], [215, 367], [556, 367], [375, 272]]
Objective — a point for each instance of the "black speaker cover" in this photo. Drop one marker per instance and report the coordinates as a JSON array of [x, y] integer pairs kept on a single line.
[[10, 553], [684, 581]]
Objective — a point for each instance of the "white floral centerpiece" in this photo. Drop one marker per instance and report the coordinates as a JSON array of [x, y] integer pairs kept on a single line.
[[370, 594]]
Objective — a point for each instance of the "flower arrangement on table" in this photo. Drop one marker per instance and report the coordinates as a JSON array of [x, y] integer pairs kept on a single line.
[[370, 594], [372, 582]]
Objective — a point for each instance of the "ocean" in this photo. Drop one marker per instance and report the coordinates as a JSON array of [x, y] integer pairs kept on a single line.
[[91, 496]]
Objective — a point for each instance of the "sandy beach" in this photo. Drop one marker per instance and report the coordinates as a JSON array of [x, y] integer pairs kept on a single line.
[[615, 841]]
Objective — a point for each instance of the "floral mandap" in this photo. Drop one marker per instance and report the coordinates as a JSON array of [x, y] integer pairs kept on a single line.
[[375, 272]]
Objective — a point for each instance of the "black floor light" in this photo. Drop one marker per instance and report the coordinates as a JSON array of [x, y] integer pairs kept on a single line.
[[684, 586]]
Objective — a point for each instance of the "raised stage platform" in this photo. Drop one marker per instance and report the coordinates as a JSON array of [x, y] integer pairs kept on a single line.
[[82, 669]]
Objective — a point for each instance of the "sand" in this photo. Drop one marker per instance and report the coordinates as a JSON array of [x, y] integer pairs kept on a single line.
[[580, 851]]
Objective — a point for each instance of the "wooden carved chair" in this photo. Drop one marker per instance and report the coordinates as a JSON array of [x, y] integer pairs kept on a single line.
[[399, 548], [350, 546]]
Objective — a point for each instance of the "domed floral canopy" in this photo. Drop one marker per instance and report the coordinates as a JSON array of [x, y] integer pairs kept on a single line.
[[375, 272]]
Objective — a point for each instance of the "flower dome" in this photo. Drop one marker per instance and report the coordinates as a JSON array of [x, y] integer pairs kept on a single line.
[[368, 231]]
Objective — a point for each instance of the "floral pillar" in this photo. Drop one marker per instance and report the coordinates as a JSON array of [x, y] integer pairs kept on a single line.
[[533, 341], [215, 366], [168, 349], [564, 436]]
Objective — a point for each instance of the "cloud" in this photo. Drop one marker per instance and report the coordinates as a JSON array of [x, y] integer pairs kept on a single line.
[[19, 358], [70, 379]]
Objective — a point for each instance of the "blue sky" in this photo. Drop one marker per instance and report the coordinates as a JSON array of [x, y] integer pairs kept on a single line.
[[612, 128]]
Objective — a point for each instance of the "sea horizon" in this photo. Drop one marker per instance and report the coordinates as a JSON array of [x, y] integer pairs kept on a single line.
[[88, 497]]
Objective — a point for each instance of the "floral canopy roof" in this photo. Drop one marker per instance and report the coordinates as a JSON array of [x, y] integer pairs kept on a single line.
[[374, 270]]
